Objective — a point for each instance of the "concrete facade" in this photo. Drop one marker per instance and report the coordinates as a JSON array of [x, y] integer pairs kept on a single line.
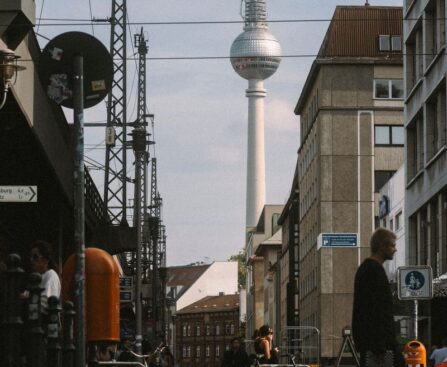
[[256, 268], [340, 161], [426, 149]]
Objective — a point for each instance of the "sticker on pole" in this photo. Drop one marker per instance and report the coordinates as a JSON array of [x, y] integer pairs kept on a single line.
[[414, 282]]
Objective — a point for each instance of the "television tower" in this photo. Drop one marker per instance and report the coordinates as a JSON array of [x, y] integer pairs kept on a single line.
[[255, 55]]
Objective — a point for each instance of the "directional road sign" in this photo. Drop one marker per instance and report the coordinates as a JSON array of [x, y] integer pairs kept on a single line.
[[126, 282], [349, 240], [414, 282], [18, 194]]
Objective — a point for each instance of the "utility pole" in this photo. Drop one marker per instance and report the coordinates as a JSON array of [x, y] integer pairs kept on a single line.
[[115, 180], [141, 158]]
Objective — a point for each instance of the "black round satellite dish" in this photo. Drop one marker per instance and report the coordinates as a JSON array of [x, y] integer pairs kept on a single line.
[[56, 68]]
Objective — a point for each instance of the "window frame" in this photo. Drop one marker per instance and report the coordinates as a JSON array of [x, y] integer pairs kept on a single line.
[[390, 90], [389, 38], [390, 134]]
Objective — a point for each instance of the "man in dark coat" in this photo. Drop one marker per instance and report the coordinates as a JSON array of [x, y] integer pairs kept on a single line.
[[236, 356], [372, 319]]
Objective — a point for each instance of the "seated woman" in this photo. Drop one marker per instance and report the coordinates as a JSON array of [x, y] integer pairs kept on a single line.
[[264, 346]]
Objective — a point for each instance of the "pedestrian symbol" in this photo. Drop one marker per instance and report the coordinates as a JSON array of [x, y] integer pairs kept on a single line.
[[414, 280]]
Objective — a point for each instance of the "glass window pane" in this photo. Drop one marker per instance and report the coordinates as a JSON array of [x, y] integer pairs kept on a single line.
[[382, 135], [397, 89], [397, 135], [384, 43], [381, 89], [396, 43]]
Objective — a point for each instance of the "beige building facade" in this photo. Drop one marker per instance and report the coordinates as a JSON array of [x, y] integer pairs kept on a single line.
[[351, 116]]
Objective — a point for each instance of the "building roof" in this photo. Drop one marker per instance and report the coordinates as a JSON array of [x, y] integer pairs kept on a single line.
[[353, 37], [354, 31], [226, 302], [184, 275]]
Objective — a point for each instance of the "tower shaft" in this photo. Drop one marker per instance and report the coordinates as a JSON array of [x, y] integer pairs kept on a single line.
[[255, 152]]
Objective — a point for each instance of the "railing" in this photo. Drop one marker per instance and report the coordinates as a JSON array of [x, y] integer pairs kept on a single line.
[[94, 200], [28, 337]]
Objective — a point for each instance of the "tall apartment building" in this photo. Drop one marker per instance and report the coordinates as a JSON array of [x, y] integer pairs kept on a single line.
[[352, 136], [426, 156]]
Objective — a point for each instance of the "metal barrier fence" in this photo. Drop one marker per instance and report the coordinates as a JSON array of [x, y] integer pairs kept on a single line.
[[30, 337], [301, 342]]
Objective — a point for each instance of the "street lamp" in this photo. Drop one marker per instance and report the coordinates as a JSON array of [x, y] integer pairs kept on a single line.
[[8, 69]]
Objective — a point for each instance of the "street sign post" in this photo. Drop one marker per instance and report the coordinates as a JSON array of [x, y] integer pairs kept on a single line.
[[18, 194], [415, 283], [346, 240]]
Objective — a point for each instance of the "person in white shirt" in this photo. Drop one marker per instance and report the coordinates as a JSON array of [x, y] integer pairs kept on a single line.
[[41, 257], [439, 355]]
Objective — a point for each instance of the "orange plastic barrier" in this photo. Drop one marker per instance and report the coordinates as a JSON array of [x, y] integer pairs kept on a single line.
[[415, 354], [102, 297]]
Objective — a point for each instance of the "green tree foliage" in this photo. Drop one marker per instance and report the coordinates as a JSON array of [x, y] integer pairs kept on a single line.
[[242, 268]]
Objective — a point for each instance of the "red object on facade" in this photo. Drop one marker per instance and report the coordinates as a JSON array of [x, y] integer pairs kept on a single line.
[[102, 299]]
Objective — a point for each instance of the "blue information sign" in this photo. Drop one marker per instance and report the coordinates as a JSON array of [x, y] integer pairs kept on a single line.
[[348, 240]]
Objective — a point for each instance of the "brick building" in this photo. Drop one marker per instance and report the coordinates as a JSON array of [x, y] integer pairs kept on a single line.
[[204, 330]]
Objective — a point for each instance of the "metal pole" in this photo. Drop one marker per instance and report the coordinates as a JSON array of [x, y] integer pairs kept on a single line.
[[139, 146], [416, 319], [78, 112]]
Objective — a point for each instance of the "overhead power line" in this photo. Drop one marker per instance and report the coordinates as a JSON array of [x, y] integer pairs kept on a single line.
[[106, 21]]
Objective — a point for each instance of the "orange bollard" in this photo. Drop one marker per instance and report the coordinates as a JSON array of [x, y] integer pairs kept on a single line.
[[415, 354], [102, 294]]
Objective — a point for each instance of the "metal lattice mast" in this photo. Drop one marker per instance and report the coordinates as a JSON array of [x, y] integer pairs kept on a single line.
[[141, 45], [115, 195]]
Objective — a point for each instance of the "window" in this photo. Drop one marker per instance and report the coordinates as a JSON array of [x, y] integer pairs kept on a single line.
[[435, 122], [414, 59], [198, 351], [384, 43], [227, 329], [434, 25], [381, 178], [415, 148], [390, 43], [184, 353], [198, 330], [398, 220], [391, 225], [217, 329], [388, 89], [396, 43], [189, 330], [189, 352], [184, 330], [217, 351], [232, 329], [208, 329], [207, 351], [388, 135]]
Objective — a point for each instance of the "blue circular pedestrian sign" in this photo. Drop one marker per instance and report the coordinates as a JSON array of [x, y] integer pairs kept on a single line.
[[414, 280]]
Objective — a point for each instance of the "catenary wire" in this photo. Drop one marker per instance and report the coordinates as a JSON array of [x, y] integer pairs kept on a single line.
[[91, 15]]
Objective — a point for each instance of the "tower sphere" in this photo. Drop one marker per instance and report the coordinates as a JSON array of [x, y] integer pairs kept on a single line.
[[255, 54]]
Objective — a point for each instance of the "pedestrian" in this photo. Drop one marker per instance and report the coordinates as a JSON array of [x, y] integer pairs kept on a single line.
[[264, 346], [42, 262], [372, 317], [439, 355], [236, 356]]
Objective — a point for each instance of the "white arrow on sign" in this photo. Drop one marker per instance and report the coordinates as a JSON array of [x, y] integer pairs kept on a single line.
[[18, 194]]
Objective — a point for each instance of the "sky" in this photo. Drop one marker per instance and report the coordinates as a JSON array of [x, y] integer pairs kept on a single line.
[[200, 109]]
